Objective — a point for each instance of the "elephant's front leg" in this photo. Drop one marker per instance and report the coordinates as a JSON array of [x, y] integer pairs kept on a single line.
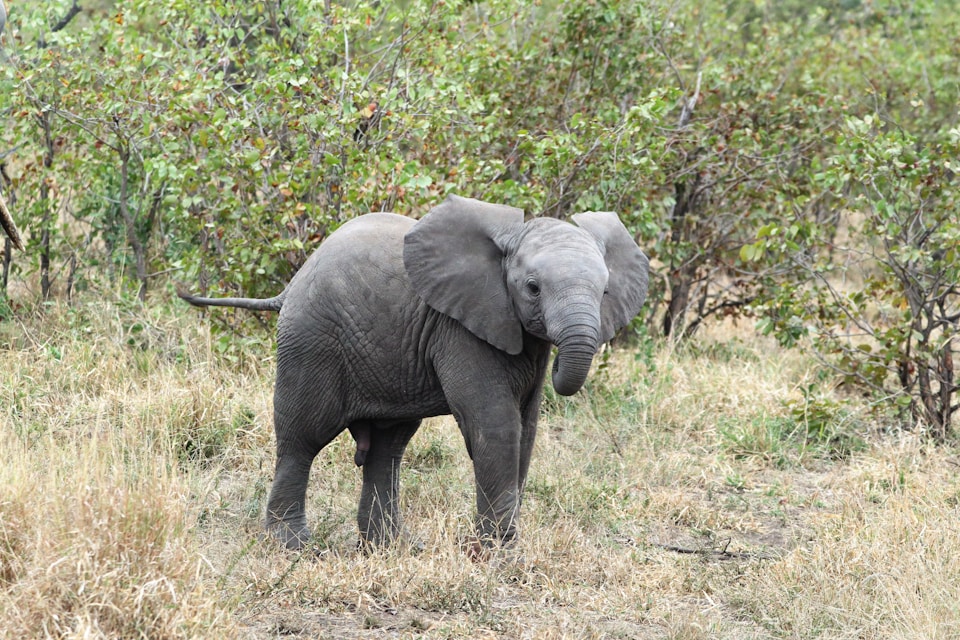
[[378, 515], [495, 443], [530, 413]]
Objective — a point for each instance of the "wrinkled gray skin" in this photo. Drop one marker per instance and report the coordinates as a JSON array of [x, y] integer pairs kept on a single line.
[[391, 321]]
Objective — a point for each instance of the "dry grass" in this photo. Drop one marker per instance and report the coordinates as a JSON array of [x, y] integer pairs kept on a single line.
[[712, 491]]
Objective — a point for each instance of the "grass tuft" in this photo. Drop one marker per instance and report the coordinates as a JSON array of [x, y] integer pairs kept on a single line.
[[94, 542]]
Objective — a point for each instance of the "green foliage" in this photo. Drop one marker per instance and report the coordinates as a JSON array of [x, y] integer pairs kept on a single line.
[[810, 431], [869, 282], [767, 438], [791, 161], [894, 334], [222, 142], [827, 425]]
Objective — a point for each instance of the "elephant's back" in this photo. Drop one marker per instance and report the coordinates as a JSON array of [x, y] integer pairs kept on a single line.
[[367, 235], [364, 254]]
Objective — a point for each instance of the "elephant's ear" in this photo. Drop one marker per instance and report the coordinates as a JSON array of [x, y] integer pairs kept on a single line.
[[628, 267], [454, 258]]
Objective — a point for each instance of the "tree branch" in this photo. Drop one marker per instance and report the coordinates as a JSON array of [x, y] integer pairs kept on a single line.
[[72, 13]]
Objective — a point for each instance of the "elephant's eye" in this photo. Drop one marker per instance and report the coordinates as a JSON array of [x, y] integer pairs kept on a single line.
[[533, 287]]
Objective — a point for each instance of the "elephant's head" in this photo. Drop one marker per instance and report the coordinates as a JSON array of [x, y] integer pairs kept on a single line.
[[573, 285]]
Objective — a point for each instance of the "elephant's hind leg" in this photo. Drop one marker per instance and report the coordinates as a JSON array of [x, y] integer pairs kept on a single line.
[[286, 513], [306, 417], [378, 515]]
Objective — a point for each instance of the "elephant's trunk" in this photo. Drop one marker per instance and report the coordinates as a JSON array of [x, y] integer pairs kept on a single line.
[[575, 350]]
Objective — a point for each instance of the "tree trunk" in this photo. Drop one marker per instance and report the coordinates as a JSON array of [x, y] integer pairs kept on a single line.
[[71, 277], [683, 274], [947, 385], [45, 242], [676, 308], [130, 222], [7, 259], [46, 206], [8, 244]]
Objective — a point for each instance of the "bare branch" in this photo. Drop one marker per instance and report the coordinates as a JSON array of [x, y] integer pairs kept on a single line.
[[72, 13], [688, 106]]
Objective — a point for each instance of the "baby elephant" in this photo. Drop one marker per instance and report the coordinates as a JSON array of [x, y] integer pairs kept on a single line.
[[393, 320]]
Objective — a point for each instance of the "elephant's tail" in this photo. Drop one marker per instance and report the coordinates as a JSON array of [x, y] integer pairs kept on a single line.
[[256, 304]]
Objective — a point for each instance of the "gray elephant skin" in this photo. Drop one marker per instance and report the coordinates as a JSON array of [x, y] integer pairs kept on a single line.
[[394, 320]]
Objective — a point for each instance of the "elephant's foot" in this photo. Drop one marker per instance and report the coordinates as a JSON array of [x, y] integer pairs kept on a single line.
[[476, 551], [379, 525], [293, 536], [402, 539], [492, 553]]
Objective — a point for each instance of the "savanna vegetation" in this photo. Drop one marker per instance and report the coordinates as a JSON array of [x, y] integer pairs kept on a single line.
[[768, 452]]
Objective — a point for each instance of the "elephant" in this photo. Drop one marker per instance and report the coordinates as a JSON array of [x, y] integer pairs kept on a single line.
[[393, 320]]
